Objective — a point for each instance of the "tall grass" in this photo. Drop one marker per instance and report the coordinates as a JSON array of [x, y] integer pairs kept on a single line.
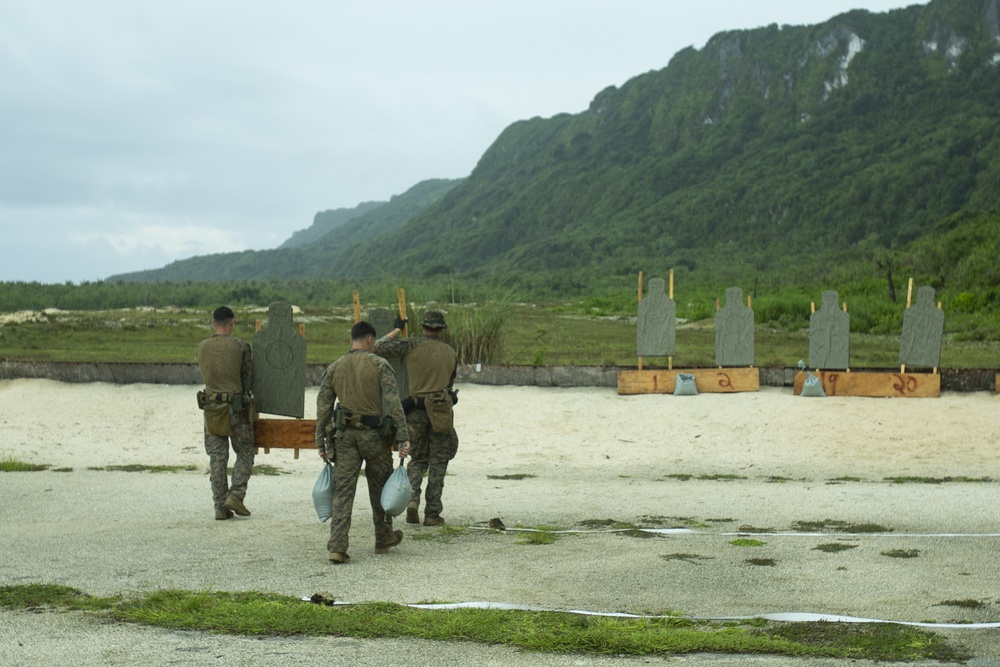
[[478, 332]]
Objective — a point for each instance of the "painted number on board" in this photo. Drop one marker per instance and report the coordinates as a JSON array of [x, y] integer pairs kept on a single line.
[[725, 381], [904, 384]]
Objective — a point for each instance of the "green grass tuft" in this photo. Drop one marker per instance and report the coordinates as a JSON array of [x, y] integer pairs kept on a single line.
[[746, 542], [11, 464], [139, 467]]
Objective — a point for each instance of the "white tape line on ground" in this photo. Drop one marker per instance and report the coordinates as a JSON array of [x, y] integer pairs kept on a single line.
[[786, 617]]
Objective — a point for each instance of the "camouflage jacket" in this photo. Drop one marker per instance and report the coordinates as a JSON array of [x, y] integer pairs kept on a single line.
[[387, 391]]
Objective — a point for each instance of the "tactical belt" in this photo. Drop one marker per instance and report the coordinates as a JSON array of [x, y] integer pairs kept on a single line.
[[347, 419], [419, 403], [371, 421], [218, 397]]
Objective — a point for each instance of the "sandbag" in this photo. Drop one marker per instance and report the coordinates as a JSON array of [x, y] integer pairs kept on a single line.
[[323, 493], [812, 386], [684, 385], [396, 492]]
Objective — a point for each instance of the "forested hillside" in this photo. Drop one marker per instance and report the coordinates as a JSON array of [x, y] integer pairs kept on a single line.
[[772, 152], [307, 254]]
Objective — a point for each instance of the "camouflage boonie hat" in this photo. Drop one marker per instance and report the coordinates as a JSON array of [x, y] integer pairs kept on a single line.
[[433, 319]]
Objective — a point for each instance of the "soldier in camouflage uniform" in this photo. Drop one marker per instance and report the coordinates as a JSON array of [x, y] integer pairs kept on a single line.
[[226, 365], [365, 388], [430, 366]]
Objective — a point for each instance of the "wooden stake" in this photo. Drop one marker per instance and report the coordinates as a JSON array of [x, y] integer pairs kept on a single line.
[[909, 293], [670, 360], [401, 298], [357, 306], [640, 299]]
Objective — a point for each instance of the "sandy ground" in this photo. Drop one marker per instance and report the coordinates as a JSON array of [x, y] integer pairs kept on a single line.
[[708, 467]]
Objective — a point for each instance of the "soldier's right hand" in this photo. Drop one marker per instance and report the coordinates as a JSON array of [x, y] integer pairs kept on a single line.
[[400, 323]]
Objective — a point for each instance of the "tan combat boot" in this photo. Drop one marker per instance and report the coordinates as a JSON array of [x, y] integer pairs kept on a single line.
[[236, 504]]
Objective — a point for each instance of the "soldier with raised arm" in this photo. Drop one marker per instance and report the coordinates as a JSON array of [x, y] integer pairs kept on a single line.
[[431, 365]]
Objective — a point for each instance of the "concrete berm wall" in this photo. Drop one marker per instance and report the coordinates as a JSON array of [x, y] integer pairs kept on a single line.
[[952, 379]]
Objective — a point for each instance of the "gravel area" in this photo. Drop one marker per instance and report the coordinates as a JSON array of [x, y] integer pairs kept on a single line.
[[876, 478]]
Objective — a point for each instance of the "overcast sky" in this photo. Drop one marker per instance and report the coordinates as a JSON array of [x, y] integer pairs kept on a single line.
[[134, 133]]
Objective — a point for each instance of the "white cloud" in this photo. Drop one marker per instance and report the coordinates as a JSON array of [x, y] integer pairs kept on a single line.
[[186, 240]]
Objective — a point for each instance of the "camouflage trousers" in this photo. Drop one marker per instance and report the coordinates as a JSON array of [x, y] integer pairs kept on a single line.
[[429, 453], [352, 447], [217, 448]]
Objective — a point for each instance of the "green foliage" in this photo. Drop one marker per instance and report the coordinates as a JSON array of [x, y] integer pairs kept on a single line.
[[746, 542], [33, 596], [11, 464], [266, 614], [753, 160]]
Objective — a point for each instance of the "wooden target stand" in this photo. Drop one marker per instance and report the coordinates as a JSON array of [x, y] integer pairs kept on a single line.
[[706, 380], [295, 433], [876, 384]]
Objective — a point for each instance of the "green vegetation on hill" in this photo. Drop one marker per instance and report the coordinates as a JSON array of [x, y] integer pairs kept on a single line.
[[786, 160]]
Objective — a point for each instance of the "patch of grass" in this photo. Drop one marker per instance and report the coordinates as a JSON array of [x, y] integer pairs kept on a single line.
[[139, 467], [680, 476], [747, 528], [722, 477], [876, 641], [423, 537], [937, 480], [778, 479], [834, 547], [639, 533], [687, 558], [263, 614], [902, 553], [267, 469], [11, 464], [841, 480], [539, 537], [835, 525], [964, 604], [720, 520], [610, 524], [746, 542], [763, 562], [35, 596], [446, 533], [62, 470], [518, 476]]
